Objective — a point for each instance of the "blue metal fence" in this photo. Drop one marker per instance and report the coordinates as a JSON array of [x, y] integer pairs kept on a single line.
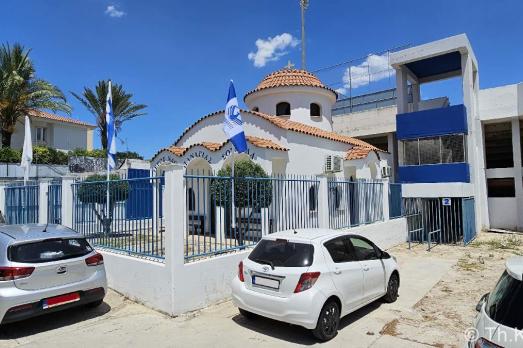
[[469, 220], [395, 203], [261, 206], [54, 203], [21, 203], [110, 226], [353, 203]]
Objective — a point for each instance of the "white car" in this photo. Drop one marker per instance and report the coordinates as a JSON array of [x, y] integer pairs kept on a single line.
[[500, 319], [313, 277]]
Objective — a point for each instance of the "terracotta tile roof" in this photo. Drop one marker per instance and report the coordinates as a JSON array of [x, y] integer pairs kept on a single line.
[[314, 131], [296, 127], [256, 141], [358, 152], [289, 77], [265, 143], [46, 115]]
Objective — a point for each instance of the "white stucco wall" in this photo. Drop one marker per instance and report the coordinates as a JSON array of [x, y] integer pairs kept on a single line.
[[144, 281], [299, 98], [60, 135], [503, 212]]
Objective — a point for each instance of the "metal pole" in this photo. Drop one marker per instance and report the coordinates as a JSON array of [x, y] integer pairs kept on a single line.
[[303, 4], [108, 174], [233, 214]]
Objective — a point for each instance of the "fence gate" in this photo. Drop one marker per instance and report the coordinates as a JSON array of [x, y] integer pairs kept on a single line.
[[423, 220], [21, 204], [54, 203], [469, 220]]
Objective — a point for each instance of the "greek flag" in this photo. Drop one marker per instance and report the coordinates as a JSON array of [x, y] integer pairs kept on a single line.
[[233, 125], [111, 138]]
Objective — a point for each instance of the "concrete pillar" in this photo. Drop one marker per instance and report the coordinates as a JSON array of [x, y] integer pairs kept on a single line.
[[67, 201], [518, 170], [175, 212], [416, 96], [323, 202], [386, 194], [43, 200], [402, 94], [2, 199]]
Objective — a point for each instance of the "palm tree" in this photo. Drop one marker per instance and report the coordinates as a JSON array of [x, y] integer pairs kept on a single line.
[[123, 108], [21, 92]]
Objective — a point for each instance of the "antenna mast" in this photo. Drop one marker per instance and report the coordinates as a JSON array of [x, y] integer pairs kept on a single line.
[[304, 4]]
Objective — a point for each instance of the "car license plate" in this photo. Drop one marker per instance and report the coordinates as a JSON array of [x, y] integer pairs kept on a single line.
[[61, 300], [266, 282]]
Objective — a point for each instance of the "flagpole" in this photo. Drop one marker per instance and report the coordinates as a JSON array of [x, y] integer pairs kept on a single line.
[[108, 164], [233, 215]]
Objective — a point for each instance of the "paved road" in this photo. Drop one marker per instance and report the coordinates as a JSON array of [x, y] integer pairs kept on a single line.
[[123, 323]]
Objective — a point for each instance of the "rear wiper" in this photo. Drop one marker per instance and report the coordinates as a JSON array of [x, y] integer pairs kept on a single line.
[[265, 262]]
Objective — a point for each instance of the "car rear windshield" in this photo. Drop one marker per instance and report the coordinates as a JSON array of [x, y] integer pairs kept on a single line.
[[505, 303], [282, 253], [49, 250]]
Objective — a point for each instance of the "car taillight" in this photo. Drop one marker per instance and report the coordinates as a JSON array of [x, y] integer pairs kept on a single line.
[[306, 281], [240, 271], [483, 343], [14, 273], [95, 260]]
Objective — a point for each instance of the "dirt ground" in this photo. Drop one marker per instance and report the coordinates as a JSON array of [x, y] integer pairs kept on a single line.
[[442, 316]]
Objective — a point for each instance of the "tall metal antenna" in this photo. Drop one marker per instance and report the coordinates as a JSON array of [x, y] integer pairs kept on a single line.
[[304, 4]]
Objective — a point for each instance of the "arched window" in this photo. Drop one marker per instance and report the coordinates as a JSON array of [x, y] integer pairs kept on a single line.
[[315, 109], [313, 200], [256, 109], [283, 109], [190, 199]]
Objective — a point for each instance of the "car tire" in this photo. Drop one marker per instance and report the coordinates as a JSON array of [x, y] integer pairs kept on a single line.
[[247, 314], [328, 322], [392, 289], [94, 304]]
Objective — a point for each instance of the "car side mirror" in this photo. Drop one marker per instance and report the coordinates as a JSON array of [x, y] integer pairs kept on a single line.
[[482, 301], [385, 255]]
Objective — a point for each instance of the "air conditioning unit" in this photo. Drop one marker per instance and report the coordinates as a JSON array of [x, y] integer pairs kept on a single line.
[[385, 172], [332, 164]]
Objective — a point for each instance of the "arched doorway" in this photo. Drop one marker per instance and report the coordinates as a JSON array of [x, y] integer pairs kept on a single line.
[[199, 202]]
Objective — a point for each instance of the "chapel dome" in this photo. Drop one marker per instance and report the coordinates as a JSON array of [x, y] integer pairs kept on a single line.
[[290, 77]]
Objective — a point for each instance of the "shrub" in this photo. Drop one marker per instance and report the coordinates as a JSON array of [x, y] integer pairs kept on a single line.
[[247, 193], [94, 190], [9, 155]]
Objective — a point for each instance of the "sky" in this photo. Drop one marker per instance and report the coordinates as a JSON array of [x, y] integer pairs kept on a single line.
[[178, 56]]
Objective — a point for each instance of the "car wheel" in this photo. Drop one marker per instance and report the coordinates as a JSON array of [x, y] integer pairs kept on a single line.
[[328, 322], [94, 304], [247, 314], [392, 289]]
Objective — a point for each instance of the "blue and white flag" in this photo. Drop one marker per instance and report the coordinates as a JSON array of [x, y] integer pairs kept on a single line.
[[111, 136], [233, 125]]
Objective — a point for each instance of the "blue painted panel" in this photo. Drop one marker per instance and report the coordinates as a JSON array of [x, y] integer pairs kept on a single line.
[[433, 122], [469, 220], [446, 172], [437, 65], [139, 204]]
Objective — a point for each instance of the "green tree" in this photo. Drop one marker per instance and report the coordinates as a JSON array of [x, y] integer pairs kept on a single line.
[[93, 191], [123, 108], [21, 91], [253, 193]]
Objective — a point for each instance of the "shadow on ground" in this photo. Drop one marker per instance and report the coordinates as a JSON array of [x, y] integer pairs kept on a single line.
[[297, 334], [51, 321]]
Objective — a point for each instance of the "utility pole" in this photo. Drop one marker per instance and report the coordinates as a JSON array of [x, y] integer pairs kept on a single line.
[[304, 4]]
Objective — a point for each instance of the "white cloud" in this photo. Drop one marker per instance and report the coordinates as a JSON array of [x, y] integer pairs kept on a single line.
[[112, 11], [272, 49], [372, 69]]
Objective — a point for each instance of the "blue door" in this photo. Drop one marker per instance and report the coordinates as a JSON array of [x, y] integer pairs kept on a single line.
[[469, 220], [139, 204]]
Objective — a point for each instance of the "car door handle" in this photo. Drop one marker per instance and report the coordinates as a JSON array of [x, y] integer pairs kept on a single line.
[[366, 268], [337, 271]]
